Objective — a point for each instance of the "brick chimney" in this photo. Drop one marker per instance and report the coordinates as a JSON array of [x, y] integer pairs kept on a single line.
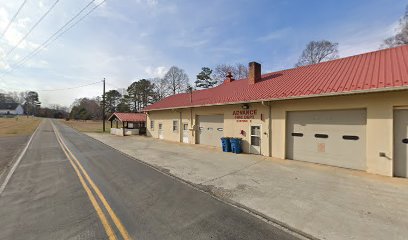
[[229, 78], [254, 73]]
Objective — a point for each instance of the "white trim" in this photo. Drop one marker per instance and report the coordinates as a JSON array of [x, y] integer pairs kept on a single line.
[[160, 130], [13, 169], [151, 126], [400, 107], [260, 138], [177, 125]]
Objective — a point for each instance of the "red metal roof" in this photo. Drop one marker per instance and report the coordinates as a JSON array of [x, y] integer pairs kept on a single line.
[[128, 117], [374, 71]]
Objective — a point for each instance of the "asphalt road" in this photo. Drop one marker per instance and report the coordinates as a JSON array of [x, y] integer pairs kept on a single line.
[[10, 146], [69, 186]]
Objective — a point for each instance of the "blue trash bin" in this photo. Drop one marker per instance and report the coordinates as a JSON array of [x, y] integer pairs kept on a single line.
[[236, 145], [226, 144]]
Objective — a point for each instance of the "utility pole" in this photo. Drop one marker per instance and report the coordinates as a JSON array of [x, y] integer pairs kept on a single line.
[[103, 106]]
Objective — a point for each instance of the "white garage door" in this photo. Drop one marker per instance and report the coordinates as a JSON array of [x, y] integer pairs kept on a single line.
[[335, 138], [401, 143], [210, 129]]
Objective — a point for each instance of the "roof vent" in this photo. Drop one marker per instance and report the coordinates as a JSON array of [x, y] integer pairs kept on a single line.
[[229, 78], [254, 73]]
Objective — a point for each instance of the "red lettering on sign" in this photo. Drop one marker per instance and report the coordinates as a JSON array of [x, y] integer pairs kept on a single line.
[[244, 114]]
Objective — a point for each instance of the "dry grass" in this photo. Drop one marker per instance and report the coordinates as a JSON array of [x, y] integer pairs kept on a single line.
[[87, 126], [18, 126]]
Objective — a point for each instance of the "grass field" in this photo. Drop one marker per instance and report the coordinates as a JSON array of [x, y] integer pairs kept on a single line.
[[87, 126], [18, 126]]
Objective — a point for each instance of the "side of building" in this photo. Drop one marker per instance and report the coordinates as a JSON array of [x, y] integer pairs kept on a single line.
[[351, 113]]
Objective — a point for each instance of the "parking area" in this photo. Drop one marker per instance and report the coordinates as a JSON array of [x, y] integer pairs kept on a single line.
[[326, 202]]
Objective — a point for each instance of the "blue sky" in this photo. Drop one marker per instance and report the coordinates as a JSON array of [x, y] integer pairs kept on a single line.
[[128, 40]]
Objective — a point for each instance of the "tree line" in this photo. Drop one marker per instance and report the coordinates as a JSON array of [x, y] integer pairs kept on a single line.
[[134, 98], [143, 92], [31, 104]]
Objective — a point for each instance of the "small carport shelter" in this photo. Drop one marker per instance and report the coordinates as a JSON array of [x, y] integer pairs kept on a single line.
[[128, 123]]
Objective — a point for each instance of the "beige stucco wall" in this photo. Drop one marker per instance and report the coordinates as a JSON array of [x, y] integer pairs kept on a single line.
[[232, 128], [379, 127]]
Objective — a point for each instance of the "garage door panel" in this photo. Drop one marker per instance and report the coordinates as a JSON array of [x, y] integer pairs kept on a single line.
[[401, 143], [211, 129], [327, 137]]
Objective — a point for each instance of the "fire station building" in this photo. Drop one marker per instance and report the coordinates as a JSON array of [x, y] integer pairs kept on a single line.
[[350, 112]]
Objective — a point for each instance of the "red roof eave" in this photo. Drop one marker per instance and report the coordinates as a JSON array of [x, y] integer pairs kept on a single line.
[[379, 71], [129, 117]]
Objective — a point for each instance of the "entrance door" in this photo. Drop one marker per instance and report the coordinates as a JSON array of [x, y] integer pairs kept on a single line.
[[161, 131], [255, 147], [185, 133], [401, 143]]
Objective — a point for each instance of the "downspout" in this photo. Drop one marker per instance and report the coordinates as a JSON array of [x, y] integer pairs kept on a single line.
[[191, 115], [269, 127], [191, 122], [180, 128]]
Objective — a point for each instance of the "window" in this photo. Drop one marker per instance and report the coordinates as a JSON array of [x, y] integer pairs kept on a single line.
[[175, 125], [321, 135], [185, 126], [297, 134], [350, 137], [152, 125]]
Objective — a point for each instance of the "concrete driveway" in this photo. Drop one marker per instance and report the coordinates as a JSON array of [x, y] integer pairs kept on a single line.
[[325, 202]]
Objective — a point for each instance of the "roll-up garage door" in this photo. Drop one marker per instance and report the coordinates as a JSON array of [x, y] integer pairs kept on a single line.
[[335, 137], [210, 129], [401, 143]]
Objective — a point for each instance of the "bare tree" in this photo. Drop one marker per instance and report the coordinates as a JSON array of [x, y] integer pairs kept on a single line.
[[160, 89], [238, 70], [318, 51], [221, 71], [176, 79], [401, 35]]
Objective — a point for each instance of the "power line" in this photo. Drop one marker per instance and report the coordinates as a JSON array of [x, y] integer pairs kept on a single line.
[[55, 36], [12, 19], [68, 88], [32, 28], [112, 85], [59, 89]]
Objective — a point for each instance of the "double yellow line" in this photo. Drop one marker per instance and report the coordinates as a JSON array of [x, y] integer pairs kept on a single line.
[[81, 173]]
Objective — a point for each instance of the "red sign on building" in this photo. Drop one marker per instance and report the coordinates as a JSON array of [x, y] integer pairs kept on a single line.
[[244, 114]]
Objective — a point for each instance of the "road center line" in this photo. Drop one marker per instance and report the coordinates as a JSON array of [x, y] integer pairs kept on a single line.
[[110, 211], [108, 229]]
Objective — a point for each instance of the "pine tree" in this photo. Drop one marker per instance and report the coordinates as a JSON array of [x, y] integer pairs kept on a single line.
[[204, 79]]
